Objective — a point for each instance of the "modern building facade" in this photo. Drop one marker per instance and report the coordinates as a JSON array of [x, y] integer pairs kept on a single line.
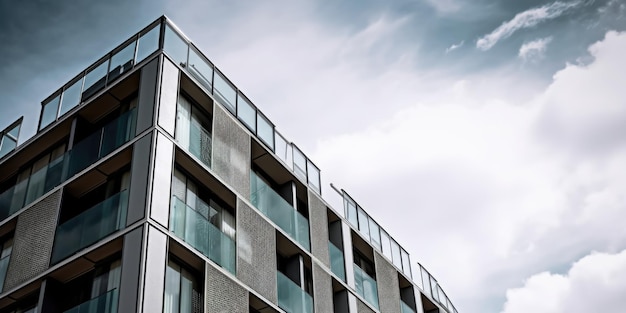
[[154, 185]]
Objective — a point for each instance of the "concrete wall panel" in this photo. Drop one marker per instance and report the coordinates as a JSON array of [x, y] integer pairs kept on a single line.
[[388, 287], [319, 228]]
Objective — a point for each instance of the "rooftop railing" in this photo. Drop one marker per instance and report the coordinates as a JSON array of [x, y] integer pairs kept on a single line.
[[433, 290]]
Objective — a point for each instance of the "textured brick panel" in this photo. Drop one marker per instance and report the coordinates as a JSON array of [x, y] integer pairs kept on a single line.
[[319, 228], [223, 295], [256, 252], [388, 288], [363, 308], [322, 290], [34, 236], [231, 151]]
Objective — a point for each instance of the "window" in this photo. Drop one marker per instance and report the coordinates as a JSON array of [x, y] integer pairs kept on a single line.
[[193, 130], [6, 245], [183, 293], [96, 291]]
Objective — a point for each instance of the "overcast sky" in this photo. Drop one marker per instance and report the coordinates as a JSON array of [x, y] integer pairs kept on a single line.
[[488, 137]]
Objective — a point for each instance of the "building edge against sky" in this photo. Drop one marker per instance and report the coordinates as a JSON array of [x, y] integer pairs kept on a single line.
[[100, 128]]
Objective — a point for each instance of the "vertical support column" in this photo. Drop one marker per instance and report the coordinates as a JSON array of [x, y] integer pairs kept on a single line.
[[161, 184], [147, 96], [131, 271], [154, 270], [139, 183], [168, 96]]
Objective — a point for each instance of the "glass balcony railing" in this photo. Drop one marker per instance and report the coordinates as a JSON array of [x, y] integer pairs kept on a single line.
[[337, 263], [291, 297], [404, 308], [200, 143], [195, 229], [83, 154], [366, 286], [90, 226], [4, 264], [277, 209], [105, 303]]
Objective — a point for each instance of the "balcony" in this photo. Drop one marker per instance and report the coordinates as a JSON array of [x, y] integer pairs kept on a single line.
[[366, 286], [404, 308], [337, 263], [105, 303], [90, 226], [83, 154], [196, 230], [277, 209], [291, 297], [200, 143], [4, 264]]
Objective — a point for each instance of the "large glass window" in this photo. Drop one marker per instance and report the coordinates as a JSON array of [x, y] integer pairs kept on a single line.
[[6, 246], [148, 43], [183, 292], [193, 130], [175, 46]]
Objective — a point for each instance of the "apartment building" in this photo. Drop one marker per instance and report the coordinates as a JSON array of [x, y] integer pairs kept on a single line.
[[153, 184]]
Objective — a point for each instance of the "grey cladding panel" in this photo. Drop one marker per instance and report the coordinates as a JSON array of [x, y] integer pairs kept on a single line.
[[363, 308], [256, 252], [231, 151], [322, 290], [223, 295], [147, 95], [161, 184], [34, 237], [169, 96], [140, 170], [131, 265], [388, 287], [319, 228]]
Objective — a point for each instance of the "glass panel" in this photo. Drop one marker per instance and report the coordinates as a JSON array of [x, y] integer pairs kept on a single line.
[[314, 177], [71, 97], [15, 131], [406, 264], [49, 114], [366, 286], [36, 184], [433, 288], [95, 79], [246, 113], [195, 229], [175, 47], [8, 145], [172, 288], [426, 281], [405, 308], [351, 212], [299, 164], [122, 61], [375, 234], [225, 92], [291, 297], [386, 243], [395, 251], [364, 224], [200, 69], [148, 43], [284, 150], [85, 153], [4, 264], [337, 263], [277, 209], [265, 131], [90, 226], [117, 132], [200, 140], [106, 303]]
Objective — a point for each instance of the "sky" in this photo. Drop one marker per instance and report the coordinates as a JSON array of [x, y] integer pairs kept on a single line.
[[487, 137]]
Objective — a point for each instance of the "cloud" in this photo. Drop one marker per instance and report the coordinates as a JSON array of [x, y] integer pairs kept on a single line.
[[595, 283], [526, 19], [534, 50], [455, 46]]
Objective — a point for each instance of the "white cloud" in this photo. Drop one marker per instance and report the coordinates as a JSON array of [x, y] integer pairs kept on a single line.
[[455, 46], [526, 19], [534, 50], [595, 283]]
